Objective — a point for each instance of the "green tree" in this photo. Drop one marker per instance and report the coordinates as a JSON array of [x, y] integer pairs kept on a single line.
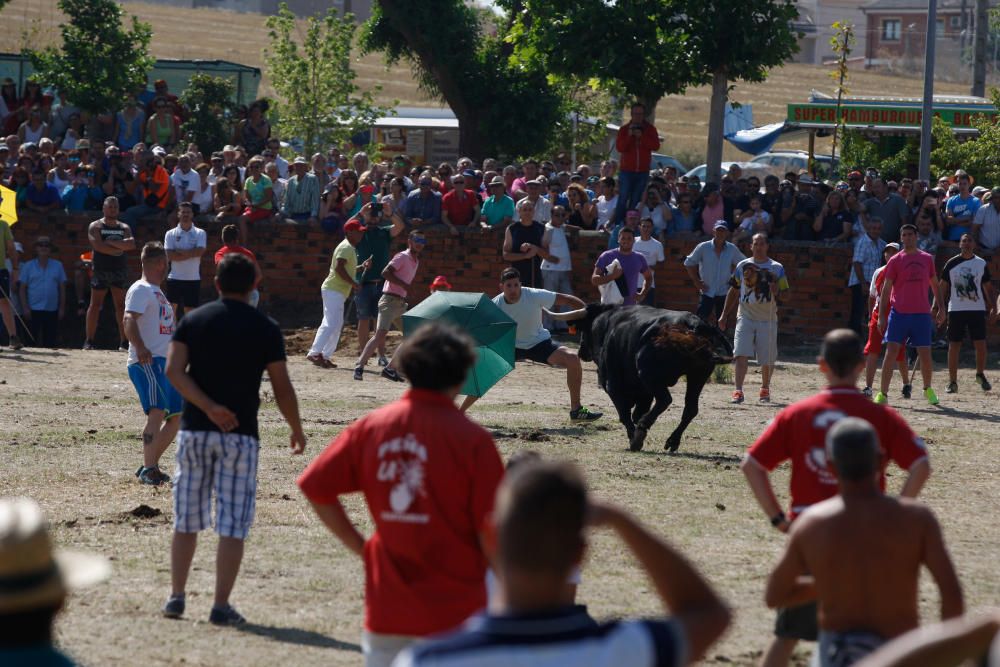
[[736, 41], [640, 48], [100, 61], [502, 108], [842, 42], [319, 99], [207, 99]]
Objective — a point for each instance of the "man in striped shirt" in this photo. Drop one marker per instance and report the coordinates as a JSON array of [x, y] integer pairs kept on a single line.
[[537, 539]]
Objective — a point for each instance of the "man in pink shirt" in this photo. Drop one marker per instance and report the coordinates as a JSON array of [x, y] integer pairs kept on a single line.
[[398, 275], [905, 311]]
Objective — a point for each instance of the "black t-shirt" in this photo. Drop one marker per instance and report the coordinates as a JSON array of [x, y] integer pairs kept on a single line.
[[229, 345]]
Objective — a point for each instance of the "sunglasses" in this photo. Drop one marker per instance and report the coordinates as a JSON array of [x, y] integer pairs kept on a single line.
[[419, 240], [459, 182], [43, 245], [74, 159]]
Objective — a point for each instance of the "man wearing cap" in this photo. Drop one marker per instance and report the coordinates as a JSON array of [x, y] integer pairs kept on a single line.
[[887, 206], [440, 284], [986, 223], [335, 290], [43, 293], [710, 266], [36, 582], [301, 193], [422, 206], [398, 275], [635, 142], [755, 286], [960, 209], [966, 288], [185, 244], [459, 206], [498, 209]]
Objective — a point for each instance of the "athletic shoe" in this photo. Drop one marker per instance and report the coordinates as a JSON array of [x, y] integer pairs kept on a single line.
[[123, 346], [153, 476], [867, 391], [931, 396], [226, 616], [174, 607], [582, 414], [983, 382], [907, 391], [359, 373], [765, 395], [382, 361], [737, 397], [138, 471], [881, 398], [940, 344], [89, 345], [15, 343], [952, 388], [391, 374]]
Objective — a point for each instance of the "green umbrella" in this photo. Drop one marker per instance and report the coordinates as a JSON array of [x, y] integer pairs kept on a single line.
[[492, 330]]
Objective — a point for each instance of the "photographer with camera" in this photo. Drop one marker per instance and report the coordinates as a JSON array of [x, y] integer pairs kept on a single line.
[[636, 142], [82, 193]]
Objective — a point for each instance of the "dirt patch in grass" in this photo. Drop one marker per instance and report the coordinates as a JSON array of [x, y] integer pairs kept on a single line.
[[68, 437]]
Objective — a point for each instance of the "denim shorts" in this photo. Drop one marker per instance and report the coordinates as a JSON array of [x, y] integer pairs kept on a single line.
[[366, 300]]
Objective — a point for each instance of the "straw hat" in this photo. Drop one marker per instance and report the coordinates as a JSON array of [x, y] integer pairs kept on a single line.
[[32, 575]]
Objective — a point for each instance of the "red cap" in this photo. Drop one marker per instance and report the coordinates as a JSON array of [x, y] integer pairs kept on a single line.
[[441, 282], [353, 226]]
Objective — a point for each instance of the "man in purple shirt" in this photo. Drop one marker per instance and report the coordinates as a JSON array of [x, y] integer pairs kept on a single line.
[[626, 276]]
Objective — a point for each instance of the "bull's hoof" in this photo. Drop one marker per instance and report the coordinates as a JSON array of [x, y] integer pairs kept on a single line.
[[672, 444], [637, 440]]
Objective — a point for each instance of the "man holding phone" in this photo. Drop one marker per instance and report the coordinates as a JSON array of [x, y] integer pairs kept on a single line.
[[636, 142]]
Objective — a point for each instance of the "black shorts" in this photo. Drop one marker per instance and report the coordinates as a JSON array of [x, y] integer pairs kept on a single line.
[[184, 292], [103, 279], [4, 283], [540, 352], [797, 623], [960, 321]]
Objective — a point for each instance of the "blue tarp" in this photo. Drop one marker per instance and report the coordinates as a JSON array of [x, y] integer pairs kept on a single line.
[[758, 140]]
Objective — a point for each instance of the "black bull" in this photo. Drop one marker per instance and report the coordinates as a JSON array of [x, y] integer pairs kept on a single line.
[[640, 352]]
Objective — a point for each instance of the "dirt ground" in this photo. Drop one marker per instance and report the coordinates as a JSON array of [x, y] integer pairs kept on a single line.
[[69, 425]]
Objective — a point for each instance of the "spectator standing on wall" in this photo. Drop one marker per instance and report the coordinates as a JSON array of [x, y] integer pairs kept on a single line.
[[522, 244], [635, 142]]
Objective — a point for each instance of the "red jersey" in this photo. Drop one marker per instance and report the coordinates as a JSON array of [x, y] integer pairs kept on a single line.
[[798, 433], [459, 210], [227, 249], [429, 475]]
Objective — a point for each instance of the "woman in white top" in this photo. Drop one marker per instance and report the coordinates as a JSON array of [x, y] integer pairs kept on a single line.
[[58, 175], [204, 198], [34, 128], [607, 202]]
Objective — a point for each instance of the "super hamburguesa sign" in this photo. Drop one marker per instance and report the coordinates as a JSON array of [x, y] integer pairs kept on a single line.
[[823, 115]]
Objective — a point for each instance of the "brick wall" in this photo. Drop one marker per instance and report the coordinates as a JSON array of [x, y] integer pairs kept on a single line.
[[295, 260]]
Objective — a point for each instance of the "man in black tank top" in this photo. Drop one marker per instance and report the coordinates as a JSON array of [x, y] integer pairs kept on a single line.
[[110, 239], [522, 245]]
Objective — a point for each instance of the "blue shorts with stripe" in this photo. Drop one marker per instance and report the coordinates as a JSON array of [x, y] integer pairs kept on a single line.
[[220, 464], [155, 391], [916, 329]]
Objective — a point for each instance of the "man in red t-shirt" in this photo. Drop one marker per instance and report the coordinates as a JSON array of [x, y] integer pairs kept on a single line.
[[459, 207], [798, 434], [231, 244], [429, 476]]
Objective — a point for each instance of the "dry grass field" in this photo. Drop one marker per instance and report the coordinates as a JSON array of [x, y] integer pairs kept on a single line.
[[682, 119], [69, 425]]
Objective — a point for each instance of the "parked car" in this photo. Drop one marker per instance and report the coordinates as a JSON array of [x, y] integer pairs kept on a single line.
[[749, 169], [782, 162]]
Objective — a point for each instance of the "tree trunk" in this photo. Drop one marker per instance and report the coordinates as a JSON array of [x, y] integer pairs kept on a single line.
[[716, 125], [979, 52], [650, 103]]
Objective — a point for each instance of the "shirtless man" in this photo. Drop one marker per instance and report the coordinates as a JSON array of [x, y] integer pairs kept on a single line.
[[859, 555]]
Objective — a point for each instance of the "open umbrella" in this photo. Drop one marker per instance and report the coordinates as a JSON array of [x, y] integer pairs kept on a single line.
[[492, 330], [8, 207]]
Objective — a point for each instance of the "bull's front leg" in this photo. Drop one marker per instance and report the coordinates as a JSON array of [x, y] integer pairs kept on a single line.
[[623, 404], [691, 396], [661, 401]]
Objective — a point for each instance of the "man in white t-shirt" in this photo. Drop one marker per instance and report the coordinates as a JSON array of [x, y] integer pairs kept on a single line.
[[652, 250], [557, 267], [185, 244], [149, 324], [185, 180], [533, 342]]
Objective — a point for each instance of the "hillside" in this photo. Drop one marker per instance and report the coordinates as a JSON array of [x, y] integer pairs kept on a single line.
[[207, 33]]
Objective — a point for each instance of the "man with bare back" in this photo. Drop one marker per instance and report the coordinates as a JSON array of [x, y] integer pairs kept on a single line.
[[859, 555]]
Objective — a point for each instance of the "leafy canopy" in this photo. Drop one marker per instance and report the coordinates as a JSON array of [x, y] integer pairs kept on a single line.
[[100, 61], [319, 100], [207, 99]]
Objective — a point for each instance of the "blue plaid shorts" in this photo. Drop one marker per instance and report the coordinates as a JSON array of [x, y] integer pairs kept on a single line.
[[225, 463]]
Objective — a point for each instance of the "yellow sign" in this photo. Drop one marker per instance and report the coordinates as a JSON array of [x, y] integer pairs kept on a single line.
[[8, 207]]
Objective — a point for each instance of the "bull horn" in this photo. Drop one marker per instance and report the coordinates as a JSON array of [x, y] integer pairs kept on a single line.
[[568, 316]]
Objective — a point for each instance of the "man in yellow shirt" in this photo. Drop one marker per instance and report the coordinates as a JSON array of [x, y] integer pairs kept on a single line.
[[336, 288]]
